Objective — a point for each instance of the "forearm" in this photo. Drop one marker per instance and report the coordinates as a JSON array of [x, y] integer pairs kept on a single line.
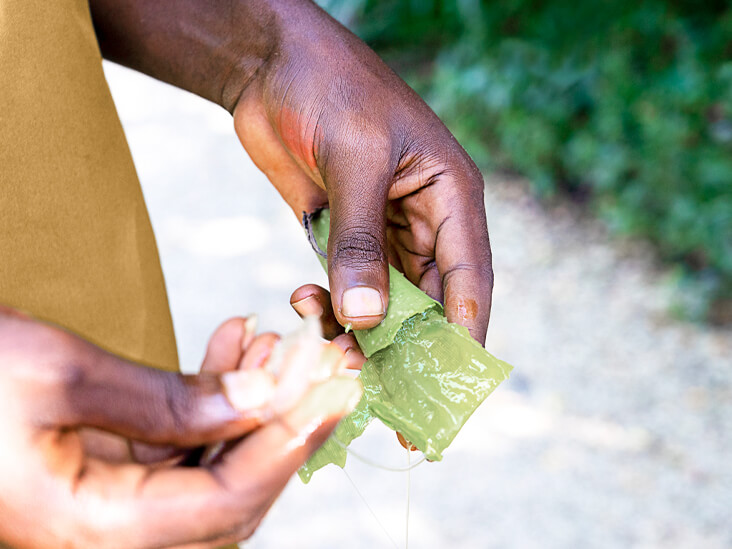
[[212, 48]]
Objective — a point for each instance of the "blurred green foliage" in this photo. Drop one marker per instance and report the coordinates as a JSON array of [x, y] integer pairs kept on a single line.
[[623, 102]]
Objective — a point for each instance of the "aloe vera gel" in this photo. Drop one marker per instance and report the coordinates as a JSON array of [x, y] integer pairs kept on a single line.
[[424, 376]]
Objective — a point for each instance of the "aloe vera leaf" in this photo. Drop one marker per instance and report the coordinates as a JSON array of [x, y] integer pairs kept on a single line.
[[424, 376]]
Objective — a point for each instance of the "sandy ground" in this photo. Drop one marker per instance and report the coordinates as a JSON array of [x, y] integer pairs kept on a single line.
[[615, 430]]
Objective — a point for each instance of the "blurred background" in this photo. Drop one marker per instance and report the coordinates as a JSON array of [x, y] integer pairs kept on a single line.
[[605, 133]]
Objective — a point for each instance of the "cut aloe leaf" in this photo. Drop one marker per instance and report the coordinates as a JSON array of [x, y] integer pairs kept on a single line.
[[424, 376]]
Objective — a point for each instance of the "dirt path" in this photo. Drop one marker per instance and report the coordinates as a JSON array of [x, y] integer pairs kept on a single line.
[[615, 431]]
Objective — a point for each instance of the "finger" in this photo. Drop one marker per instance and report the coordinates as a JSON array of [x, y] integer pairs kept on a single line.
[[259, 351], [463, 258], [413, 240], [357, 182], [109, 393], [430, 282], [393, 257], [422, 271], [105, 446], [395, 220], [158, 454], [227, 344], [405, 443], [116, 449], [353, 358], [224, 354], [256, 357], [346, 342], [312, 300], [225, 503]]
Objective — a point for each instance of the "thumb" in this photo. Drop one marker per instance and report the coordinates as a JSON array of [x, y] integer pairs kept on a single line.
[[357, 262], [227, 344], [108, 393]]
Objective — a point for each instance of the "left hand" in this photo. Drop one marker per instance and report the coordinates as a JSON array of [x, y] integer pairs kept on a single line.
[[331, 125], [70, 413]]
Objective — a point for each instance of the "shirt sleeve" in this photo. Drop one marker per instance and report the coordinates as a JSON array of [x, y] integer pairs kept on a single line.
[[76, 244]]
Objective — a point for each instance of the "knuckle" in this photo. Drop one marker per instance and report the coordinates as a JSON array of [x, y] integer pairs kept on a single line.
[[489, 275], [61, 362], [477, 274], [358, 249], [179, 403], [233, 516], [459, 270], [71, 375]]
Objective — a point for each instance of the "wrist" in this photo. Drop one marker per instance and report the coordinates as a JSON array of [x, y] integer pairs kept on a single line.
[[211, 48], [274, 28]]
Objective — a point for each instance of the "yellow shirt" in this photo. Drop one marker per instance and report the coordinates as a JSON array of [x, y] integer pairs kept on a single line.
[[76, 244]]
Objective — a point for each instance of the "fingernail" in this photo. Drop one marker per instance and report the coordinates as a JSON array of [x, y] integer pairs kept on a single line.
[[308, 307], [362, 301], [250, 331], [354, 359], [248, 389], [333, 398], [404, 442]]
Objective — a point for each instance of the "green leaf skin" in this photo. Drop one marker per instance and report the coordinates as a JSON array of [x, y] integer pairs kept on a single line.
[[424, 376], [405, 299]]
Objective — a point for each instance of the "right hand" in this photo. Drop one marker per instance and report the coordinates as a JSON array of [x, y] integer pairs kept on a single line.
[[330, 124], [61, 487]]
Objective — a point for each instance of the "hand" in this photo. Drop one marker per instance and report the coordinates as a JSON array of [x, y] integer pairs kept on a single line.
[[61, 396], [330, 124]]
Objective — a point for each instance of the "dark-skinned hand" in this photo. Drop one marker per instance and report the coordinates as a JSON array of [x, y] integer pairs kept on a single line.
[[92, 445], [330, 125]]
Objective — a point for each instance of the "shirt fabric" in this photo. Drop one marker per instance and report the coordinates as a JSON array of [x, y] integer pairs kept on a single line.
[[76, 244]]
